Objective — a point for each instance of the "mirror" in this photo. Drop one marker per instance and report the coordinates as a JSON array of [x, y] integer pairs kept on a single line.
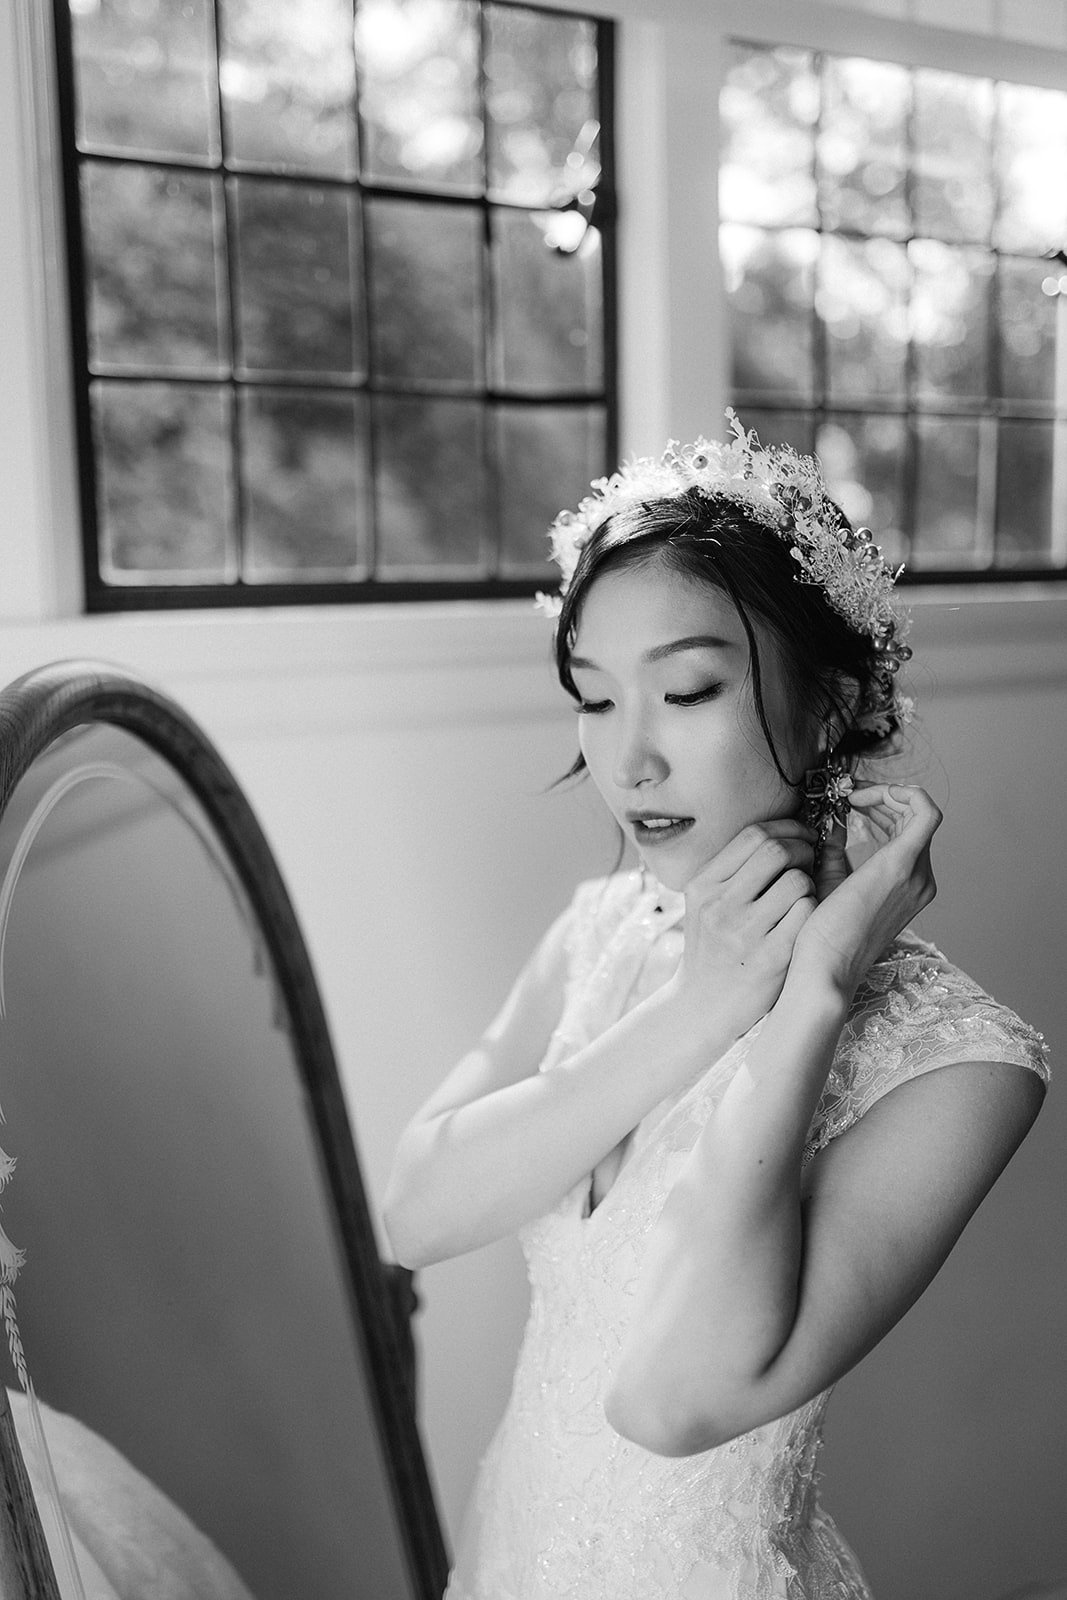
[[202, 1287]]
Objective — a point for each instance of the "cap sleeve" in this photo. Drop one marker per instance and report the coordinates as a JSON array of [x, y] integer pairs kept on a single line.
[[915, 1012]]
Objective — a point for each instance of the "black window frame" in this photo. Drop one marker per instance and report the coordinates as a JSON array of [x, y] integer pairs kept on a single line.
[[821, 408], [101, 596]]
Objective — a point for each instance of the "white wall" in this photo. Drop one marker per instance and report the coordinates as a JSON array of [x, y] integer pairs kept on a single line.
[[946, 1459], [397, 760], [403, 794]]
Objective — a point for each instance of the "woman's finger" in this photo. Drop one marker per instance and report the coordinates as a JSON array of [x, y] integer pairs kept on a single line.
[[875, 802], [776, 901], [774, 858], [906, 820], [733, 857], [784, 933], [899, 808], [882, 824], [898, 798]]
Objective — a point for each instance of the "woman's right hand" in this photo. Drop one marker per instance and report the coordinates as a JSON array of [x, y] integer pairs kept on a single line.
[[743, 912]]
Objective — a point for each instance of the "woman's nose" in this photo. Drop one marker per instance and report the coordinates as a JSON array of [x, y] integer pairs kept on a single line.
[[638, 759]]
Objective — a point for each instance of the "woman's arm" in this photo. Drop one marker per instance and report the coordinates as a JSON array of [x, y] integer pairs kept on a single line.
[[499, 1142], [764, 1283]]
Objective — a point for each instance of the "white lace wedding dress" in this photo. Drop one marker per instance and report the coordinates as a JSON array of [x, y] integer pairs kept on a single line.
[[565, 1507]]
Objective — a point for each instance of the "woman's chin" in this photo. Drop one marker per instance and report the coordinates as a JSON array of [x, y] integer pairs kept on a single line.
[[673, 873], [675, 866]]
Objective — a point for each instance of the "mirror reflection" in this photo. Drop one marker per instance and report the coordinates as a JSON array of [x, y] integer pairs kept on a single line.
[[183, 1295]]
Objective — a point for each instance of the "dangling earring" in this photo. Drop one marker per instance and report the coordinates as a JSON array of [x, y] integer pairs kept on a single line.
[[826, 791]]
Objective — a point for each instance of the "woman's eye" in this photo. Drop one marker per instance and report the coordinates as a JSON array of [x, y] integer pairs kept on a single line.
[[695, 699], [590, 708]]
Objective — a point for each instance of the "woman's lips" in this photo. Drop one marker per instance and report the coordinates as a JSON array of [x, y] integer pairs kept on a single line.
[[659, 830]]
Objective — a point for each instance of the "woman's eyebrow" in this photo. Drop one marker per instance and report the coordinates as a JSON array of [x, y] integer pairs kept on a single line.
[[659, 652], [693, 641]]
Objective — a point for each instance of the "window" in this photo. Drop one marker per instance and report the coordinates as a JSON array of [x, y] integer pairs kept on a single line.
[[893, 244], [342, 293]]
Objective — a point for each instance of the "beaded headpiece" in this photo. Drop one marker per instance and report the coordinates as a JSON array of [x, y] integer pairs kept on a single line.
[[785, 492]]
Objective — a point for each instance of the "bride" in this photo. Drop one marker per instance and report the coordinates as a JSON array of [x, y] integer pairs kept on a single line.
[[736, 1111]]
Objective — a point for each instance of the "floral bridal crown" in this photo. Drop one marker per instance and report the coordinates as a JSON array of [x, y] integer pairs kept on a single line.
[[785, 492]]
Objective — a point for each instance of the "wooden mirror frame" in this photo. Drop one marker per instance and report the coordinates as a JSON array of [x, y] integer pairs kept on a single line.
[[35, 710]]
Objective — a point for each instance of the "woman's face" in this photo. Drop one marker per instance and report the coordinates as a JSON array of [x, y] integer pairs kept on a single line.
[[668, 724]]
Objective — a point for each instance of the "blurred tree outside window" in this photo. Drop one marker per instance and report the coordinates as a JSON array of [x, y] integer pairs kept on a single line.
[[894, 247], [342, 283]]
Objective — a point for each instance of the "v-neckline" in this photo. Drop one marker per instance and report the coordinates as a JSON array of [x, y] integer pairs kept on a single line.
[[632, 1156], [625, 1156]]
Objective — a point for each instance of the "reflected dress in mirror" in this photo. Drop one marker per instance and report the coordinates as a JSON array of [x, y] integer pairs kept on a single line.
[[192, 1306]]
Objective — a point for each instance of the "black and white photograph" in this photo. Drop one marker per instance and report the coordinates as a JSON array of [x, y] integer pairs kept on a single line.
[[533, 755]]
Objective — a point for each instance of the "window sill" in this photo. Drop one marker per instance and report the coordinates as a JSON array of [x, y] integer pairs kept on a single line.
[[318, 666], [376, 666]]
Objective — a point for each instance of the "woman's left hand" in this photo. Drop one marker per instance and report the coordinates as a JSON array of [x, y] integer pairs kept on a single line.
[[861, 911]]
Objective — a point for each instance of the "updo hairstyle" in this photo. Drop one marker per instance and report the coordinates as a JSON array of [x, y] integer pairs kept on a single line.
[[831, 670]]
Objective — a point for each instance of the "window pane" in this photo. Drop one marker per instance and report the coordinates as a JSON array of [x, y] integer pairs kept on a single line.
[[862, 146], [769, 105], [1032, 168], [288, 85], [540, 81], [942, 200], [338, 253], [418, 74], [863, 460], [430, 487], [425, 291], [146, 77], [946, 512], [297, 245], [163, 482], [769, 280], [953, 189], [950, 308], [795, 428], [154, 238], [862, 301], [1032, 324], [1024, 493], [548, 457], [549, 306], [304, 484]]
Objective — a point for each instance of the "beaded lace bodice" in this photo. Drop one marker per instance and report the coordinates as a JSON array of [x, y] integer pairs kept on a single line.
[[563, 1505]]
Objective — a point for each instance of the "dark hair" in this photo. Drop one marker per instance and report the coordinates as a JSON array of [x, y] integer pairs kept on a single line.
[[711, 539]]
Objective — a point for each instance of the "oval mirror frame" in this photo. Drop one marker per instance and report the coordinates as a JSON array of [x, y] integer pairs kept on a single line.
[[36, 710]]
